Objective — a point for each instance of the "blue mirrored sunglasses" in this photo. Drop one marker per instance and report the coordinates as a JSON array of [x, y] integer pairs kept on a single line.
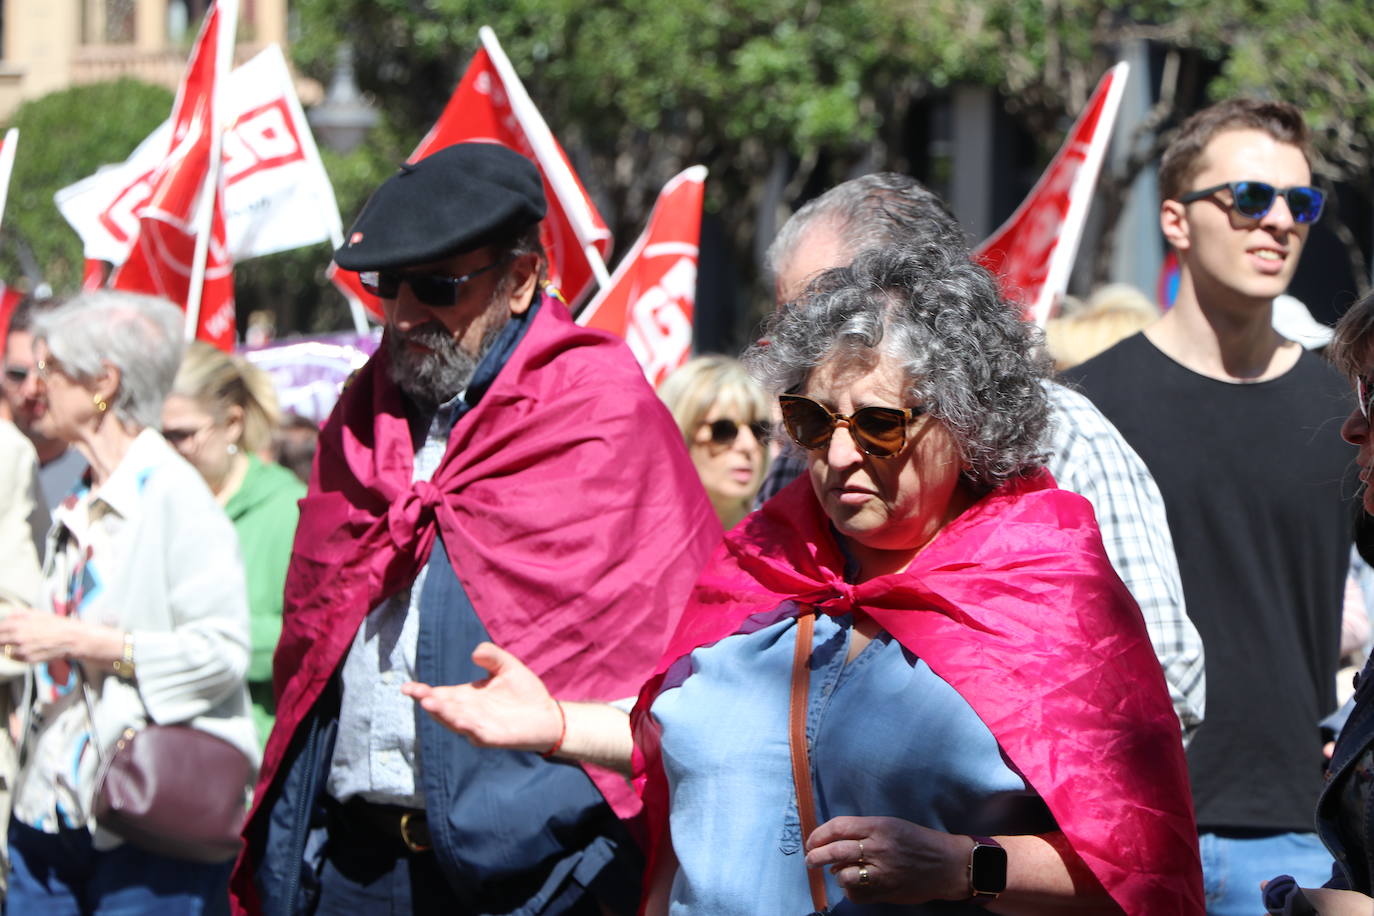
[[1253, 199], [1364, 393]]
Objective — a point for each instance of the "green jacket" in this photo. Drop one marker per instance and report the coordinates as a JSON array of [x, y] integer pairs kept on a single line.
[[264, 512]]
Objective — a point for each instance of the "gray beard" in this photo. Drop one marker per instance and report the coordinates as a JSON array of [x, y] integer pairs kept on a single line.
[[433, 378]]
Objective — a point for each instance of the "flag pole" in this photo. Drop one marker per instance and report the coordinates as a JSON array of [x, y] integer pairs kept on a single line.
[[11, 142], [546, 149], [228, 12]]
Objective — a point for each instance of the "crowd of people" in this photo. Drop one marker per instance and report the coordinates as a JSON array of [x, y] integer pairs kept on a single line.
[[898, 612]]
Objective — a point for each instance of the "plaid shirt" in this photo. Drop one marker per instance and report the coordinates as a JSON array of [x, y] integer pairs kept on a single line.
[[1091, 458]]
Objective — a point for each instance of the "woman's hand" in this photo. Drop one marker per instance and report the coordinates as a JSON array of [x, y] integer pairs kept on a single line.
[[34, 636], [889, 860], [907, 863], [511, 709]]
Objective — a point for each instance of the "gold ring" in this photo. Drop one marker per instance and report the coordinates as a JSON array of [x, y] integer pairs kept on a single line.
[[864, 879], [861, 852], [9, 650]]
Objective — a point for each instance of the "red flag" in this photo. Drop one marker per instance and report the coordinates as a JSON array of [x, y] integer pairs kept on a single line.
[[490, 105], [9, 301], [1032, 252], [7, 151], [650, 298], [176, 255]]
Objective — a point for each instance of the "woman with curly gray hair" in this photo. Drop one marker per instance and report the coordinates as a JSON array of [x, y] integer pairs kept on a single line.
[[911, 682]]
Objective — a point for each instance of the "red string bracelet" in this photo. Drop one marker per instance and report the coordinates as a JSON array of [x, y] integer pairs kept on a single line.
[[563, 733]]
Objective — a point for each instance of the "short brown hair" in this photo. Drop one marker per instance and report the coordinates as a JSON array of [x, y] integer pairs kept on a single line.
[[1182, 161]]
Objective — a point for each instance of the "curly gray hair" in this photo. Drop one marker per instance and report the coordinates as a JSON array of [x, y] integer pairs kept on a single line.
[[965, 352]]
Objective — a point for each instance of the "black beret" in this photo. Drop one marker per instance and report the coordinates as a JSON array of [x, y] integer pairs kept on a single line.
[[456, 200]]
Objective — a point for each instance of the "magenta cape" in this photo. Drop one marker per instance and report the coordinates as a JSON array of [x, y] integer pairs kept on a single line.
[[567, 504], [1016, 606]]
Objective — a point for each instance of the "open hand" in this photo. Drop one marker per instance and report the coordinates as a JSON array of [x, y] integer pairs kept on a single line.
[[510, 709]]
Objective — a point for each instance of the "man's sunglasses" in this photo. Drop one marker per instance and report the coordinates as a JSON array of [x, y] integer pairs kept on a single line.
[[724, 432], [1252, 199], [878, 431], [434, 290]]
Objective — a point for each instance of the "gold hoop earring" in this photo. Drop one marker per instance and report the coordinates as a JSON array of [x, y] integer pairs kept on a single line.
[[100, 404]]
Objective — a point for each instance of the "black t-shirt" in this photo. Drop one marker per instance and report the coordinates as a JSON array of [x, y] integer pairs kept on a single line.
[[1258, 487]]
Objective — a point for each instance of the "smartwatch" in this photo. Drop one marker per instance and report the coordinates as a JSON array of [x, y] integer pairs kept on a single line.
[[987, 869]]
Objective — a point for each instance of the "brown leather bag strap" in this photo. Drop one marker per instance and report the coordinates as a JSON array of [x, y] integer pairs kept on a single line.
[[801, 757]]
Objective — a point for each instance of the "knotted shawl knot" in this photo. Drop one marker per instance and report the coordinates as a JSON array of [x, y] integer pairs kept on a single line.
[[412, 512], [844, 600]]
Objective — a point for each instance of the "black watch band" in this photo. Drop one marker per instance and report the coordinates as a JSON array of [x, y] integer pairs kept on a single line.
[[987, 869]]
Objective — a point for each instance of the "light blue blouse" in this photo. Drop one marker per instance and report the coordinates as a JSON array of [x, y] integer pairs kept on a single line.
[[888, 737]]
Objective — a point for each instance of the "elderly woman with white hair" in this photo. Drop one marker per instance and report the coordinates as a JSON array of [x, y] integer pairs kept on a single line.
[[142, 624]]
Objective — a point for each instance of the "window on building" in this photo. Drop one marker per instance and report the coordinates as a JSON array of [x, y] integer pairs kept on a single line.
[[119, 22], [183, 19]]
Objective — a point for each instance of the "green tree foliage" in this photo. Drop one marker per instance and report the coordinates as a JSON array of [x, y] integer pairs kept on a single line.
[[636, 92], [777, 98], [64, 137]]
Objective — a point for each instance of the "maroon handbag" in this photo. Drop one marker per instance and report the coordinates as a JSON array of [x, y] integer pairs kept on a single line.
[[174, 790]]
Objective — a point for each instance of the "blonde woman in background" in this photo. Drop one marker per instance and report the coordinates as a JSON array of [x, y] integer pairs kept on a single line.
[[1113, 313], [724, 418], [220, 416]]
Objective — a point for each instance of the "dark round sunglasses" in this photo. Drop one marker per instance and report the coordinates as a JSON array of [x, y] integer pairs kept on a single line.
[[878, 431], [1364, 393], [725, 432], [1253, 199], [434, 290]]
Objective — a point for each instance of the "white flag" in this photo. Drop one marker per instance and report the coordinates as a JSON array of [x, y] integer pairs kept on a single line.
[[276, 193]]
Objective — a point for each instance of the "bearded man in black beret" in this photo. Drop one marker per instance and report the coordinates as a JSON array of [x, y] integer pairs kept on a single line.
[[495, 479]]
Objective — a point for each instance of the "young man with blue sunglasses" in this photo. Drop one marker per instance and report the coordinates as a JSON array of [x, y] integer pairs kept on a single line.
[[1240, 428]]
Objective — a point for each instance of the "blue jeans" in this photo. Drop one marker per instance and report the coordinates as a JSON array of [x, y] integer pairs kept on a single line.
[[61, 874], [1233, 865]]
